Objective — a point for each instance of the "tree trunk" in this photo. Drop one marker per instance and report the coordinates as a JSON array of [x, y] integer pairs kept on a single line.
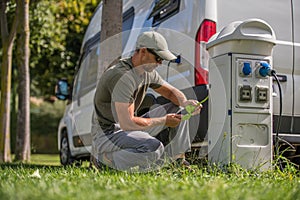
[[5, 154], [22, 150], [111, 36], [7, 46], [111, 32]]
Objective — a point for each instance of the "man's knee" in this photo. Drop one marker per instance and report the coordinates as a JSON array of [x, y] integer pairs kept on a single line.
[[151, 145]]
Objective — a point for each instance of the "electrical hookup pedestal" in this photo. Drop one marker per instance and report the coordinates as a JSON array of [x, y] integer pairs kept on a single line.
[[240, 108]]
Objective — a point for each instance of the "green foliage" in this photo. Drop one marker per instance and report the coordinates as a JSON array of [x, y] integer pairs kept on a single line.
[[56, 33], [55, 182], [57, 30], [44, 120]]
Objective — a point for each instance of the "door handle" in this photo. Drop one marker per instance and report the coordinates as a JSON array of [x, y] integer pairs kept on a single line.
[[281, 78]]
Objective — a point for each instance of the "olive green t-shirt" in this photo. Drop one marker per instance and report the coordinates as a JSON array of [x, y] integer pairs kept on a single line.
[[121, 83]]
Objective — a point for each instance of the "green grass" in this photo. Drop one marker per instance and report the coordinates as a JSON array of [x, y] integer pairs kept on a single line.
[[57, 182], [45, 159]]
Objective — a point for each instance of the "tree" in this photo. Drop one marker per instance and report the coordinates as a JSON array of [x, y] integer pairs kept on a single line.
[[111, 38], [111, 29], [56, 33], [55, 41], [7, 47], [22, 150]]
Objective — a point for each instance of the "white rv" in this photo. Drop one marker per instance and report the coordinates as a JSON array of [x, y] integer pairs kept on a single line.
[[187, 26]]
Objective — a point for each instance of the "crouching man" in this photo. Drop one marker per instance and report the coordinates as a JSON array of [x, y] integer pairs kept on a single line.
[[121, 139]]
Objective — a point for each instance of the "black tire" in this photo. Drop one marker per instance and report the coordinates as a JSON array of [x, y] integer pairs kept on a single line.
[[64, 153]]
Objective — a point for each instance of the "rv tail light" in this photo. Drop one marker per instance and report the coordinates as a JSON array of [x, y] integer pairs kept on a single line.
[[205, 31]]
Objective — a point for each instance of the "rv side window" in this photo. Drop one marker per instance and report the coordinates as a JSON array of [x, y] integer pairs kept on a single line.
[[128, 17], [87, 74], [91, 70], [77, 83], [164, 9]]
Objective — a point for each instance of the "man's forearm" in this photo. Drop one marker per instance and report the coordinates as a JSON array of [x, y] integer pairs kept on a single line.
[[177, 97], [173, 94], [145, 123], [129, 122]]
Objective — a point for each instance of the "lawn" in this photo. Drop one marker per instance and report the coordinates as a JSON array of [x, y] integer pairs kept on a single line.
[[44, 178]]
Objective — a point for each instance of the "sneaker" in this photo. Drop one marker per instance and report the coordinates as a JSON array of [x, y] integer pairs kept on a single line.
[[94, 163], [182, 162], [106, 161]]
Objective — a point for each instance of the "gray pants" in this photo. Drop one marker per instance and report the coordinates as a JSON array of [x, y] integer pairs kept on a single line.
[[127, 150]]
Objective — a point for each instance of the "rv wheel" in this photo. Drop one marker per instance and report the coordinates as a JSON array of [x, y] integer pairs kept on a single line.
[[65, 154]]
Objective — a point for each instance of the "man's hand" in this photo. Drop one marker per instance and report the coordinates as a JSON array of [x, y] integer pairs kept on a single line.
[[173, 120], [196, 106]]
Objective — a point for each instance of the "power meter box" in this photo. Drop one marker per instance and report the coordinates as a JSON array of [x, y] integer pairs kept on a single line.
[[240, 108]]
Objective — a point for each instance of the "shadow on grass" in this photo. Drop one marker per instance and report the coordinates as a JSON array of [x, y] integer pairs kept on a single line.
[[29, 166]]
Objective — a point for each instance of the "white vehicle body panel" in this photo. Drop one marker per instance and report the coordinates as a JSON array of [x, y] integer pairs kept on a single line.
[[180, 30]]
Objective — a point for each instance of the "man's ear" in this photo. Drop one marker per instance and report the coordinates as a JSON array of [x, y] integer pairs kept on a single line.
[[142, 53], [143, 50]]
